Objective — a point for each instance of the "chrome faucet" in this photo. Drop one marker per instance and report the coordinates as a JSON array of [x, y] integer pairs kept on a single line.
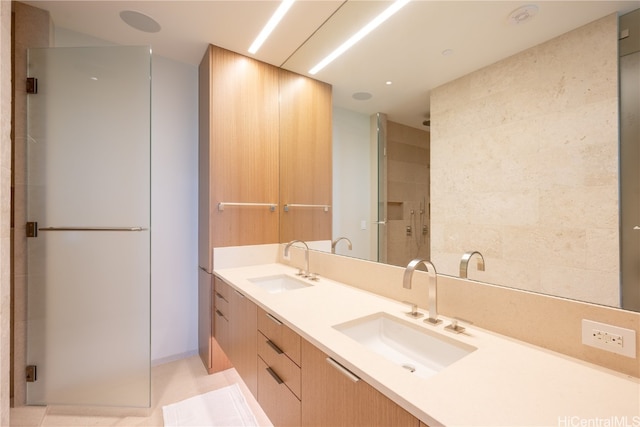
[[433, 301], [335, 242], [464, 263], [303, 273]]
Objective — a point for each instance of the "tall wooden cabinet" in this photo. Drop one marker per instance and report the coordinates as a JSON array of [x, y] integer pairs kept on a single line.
[[238, 164], [239, 151], [264, 138]]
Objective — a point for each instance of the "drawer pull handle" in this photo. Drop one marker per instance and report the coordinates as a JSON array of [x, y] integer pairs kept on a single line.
[[274, 347], [276, 321], [220, 296], [239, 294], [219, 313], [344, 371], [274, 375]]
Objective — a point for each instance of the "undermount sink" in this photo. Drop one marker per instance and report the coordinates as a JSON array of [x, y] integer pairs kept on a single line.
[[420, 351], [279, 283]]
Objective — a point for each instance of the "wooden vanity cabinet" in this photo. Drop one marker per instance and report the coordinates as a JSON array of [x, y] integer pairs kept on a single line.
[[279, 372], [333, 399], [236, 330], [291, 378]]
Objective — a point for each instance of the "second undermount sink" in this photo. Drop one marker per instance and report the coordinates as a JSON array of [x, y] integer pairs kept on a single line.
[[279, 283], [420, 351]]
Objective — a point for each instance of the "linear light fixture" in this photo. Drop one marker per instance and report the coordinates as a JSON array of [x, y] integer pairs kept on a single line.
[[386, 14], [275, 19]]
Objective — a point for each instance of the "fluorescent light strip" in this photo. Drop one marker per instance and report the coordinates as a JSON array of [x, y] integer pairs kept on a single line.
[[388, 12], [275, 19]]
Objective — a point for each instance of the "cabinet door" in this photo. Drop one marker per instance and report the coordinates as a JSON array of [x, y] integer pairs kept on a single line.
[[213, 357], [243, 321], [276, 399], [305, 157], [332, 398], [236, 330], [204, 317], [244, 149]]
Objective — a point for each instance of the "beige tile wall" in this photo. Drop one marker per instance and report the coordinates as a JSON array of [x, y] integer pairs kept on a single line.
[[407, 193], [524, 168], [5, 208]]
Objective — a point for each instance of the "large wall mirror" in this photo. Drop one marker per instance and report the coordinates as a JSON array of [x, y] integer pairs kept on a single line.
[[507, 142]]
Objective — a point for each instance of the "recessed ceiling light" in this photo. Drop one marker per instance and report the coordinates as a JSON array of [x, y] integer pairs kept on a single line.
[[386, 14], [271, 25], [388, 82], [523, 14], [361, 96], [140, 21]]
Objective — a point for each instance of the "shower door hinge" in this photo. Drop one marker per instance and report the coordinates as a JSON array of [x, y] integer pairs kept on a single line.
[[32, 229], [32, 85], [624, 34], [31, 376]]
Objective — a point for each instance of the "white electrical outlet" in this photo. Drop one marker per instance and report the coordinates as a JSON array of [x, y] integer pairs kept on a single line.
[[608, 337]]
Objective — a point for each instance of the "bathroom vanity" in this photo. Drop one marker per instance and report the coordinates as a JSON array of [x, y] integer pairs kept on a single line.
[[320, 359]]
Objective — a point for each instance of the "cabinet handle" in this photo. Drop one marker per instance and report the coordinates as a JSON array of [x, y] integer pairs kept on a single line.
[[276, 321], [220, 296], [344, 371], [274, 347], [239, 294], [219, 313], [274, 375]]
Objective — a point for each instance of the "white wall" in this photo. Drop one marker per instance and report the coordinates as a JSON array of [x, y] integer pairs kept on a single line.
[[5, 208], [351, 181], [174, 209], [174, 202]]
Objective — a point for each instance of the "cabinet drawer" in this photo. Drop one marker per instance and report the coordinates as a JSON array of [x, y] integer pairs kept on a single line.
[[279, 334], [288, 371], [281, 406], [220, 303], [221, 288]]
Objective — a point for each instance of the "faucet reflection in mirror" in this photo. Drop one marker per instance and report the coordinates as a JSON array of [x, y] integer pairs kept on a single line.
[[335, 242], [433, 301], [464, 262], [505, 187]]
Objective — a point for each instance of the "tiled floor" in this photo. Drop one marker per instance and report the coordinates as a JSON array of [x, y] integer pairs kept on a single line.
[[171, 382]]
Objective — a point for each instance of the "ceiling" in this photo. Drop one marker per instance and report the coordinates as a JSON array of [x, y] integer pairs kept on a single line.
[[406, 50]]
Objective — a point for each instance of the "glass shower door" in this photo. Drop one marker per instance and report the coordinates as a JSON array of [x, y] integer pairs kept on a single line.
[[88, 196]]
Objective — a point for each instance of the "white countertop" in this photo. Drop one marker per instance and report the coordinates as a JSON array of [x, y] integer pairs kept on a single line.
[[503, 382]]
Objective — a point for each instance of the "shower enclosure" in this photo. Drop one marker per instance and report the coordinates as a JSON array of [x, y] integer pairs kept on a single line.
[[88, 197], [379, 133]]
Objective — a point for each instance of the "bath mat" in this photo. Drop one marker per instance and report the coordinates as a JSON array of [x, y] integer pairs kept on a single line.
[[224, 407]]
